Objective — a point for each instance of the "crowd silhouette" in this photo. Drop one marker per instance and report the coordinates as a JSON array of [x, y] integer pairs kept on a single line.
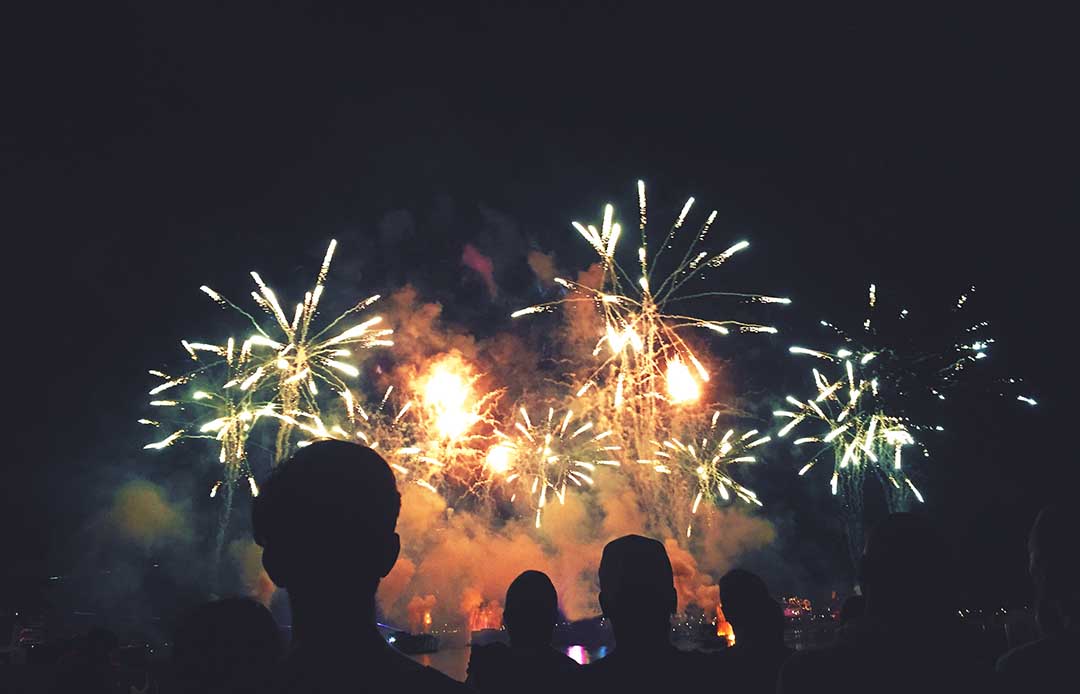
[[326, 520]]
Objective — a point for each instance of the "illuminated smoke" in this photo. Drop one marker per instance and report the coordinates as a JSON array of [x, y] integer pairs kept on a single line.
[[543, 266], [141, 513], [482, 265], [420, 610], [247, 556]]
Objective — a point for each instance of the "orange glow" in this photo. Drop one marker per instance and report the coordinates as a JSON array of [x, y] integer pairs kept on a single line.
[[723, 627], [682, 387], [498, 460], [427, 622], [486, 616], [447, 396]]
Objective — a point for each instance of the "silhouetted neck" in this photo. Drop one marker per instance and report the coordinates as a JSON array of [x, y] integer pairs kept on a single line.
[[529, 644], [751, 639], [902, 613], [327, 619], [642, 642]]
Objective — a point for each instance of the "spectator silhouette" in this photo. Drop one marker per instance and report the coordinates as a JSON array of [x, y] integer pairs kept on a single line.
[[852, 609], [1047, 664], [637, 595], [325, 520], [89, 668], [532, 608], [909, 638], [226, 647], [753, 663]]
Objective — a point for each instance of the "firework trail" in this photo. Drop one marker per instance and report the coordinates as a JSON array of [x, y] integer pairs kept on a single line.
[[647, 366], [206, 403]]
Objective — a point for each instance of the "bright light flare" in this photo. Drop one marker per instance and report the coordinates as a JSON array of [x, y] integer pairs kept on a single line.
[[682, 387]]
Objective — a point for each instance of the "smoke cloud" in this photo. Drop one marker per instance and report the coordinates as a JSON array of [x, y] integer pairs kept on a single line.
[[141, 513], [247, 558], [481, 265]]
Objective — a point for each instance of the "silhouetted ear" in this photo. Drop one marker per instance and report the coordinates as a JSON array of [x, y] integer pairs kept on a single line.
[[603, 605], [393, 549], [673, 601]]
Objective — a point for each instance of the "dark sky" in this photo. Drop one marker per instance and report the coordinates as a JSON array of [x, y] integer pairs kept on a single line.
[[152, 149]]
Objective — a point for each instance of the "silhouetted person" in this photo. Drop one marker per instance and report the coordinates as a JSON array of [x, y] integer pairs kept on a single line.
[[753, 663], [1049, 664], [226, 647], [89, 668], [852, 609], [325, 520], [909, 639], [529, 664], [637, 594]]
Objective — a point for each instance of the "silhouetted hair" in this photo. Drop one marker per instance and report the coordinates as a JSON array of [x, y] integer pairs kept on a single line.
[[747, 604], [636, 570], [905, 559], [739, 586], [532, 607], [852, 609], [329, 486]]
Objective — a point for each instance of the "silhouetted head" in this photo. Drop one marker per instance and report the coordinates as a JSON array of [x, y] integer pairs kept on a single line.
[[325, 520], [906, 565], [227, 645], [1053, 565], [852, 608], [532, 608], [749, 608], [637, 589]]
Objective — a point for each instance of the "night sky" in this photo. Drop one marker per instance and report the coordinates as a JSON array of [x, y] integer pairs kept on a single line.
[[154, 149]]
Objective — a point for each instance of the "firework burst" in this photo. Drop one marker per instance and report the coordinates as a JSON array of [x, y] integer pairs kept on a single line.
[[645, 358], [547, 455], [871, 395], [384, 427], [852, 424], [451, 423], [294, 356], [209, 405], [706, 461]]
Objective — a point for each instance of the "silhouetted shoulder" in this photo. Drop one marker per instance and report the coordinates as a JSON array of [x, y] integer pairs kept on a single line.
[[803, 671], [864, 661], [748, 670], [1048, 664], [359, 672], [497, 667], [672, 670]]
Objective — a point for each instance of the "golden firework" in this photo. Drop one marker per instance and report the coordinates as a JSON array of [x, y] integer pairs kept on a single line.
[[646, 359], [294, 356], [547, 455], [706, 461]]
